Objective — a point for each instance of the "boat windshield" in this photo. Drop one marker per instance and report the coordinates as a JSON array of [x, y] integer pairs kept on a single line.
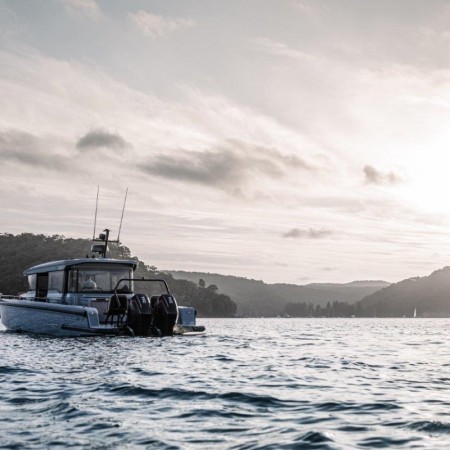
[[144, 286], [98, 279]]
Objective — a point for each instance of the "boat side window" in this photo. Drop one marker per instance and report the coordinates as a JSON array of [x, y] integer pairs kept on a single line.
[[56, 281], [42, 285], [32, 282], [72, 280]]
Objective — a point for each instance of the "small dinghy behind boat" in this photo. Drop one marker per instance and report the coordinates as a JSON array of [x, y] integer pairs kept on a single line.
[[95, 296]]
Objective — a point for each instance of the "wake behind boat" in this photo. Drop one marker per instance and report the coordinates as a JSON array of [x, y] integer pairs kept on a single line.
[[95, 296]]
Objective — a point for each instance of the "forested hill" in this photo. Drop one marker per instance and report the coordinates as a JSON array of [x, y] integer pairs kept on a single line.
[[19, 252], [256, 298], [429, 296]]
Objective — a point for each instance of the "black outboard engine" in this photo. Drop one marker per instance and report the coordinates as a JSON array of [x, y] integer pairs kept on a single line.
[[164, 315], [139, 315], [155, 317]]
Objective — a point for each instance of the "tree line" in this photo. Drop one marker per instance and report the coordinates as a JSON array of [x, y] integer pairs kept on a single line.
[[332, 309]]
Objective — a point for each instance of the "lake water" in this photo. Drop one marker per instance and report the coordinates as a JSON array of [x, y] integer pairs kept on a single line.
[[246, 384]]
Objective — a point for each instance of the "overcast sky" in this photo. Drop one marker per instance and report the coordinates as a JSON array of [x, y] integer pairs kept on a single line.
[[285, 140]]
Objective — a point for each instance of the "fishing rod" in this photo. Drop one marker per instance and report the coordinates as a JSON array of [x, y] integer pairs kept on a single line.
[[96, 208], [121, 219]]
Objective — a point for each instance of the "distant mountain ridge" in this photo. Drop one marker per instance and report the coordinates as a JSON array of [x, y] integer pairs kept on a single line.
[[358, 283], [429, 296], [256, 298]]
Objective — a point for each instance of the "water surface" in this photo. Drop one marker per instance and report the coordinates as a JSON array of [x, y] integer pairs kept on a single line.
[[246, 384]]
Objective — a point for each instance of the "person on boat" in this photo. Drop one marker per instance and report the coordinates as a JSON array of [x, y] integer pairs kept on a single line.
[[89, 284], [124, 290]]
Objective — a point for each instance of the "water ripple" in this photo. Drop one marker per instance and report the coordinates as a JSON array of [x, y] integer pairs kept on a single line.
[[247, 384]]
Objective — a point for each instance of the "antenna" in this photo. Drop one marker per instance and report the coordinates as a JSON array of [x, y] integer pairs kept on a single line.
[[121, 219], [96, 207]]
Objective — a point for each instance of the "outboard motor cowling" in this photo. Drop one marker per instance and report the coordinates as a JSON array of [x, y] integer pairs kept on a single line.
[[139, 315], [164, 314]]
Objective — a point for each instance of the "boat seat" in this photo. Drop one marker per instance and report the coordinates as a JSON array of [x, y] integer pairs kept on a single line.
[[117, 310]]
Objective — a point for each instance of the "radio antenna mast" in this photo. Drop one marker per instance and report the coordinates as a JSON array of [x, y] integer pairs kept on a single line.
[[121, 219], [96, 207]]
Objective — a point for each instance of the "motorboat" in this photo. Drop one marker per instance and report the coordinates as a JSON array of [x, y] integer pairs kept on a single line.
[[93, 296]]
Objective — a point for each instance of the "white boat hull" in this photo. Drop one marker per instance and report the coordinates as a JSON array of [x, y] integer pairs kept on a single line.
[[52, 319]]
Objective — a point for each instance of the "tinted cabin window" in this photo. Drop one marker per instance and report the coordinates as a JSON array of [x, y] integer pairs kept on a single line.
[[32, 282], [72, 281], [96, 279], [56, 281], [42, 285]]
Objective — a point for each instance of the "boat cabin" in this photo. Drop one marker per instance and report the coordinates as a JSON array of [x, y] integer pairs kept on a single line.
[[74, 281]]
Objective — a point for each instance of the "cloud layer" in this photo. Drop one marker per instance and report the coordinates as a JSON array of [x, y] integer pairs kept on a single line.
[[309, 233], [154, 25], [83, 8], [374, 176], [102, 139], [26, 149], [231, 125], [229, 166]]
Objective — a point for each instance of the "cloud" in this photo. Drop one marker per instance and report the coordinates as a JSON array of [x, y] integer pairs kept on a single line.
[[304, 6], [10, 26], [230, 166], [275, 48], [328, 269], [305, 278], [83, 8], [26, 149], [154, 25], [102, 138], [374, 176], [310, 233]]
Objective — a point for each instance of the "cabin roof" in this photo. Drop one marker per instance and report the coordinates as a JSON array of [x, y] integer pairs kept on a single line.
[[61, 265]]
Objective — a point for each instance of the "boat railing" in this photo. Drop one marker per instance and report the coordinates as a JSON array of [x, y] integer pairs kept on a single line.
[[117, 291], [10, 297], [20, 297]]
